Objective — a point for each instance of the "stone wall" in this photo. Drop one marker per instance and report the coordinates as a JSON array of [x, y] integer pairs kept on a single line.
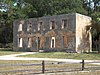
[[41, 39], [83, 37], [72, 36]]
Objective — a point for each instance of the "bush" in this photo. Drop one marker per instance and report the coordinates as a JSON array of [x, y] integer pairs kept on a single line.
[[9, 45]]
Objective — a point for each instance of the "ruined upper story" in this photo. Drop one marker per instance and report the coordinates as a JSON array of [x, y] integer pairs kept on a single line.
[[75, 23], [47, 23]]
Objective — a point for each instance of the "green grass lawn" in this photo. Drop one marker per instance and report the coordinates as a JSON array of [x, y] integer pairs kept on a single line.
[[78, 73], [64, 55], [7, 51], [53, 66]]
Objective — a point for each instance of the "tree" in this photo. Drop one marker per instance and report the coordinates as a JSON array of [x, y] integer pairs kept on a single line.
[[52, 7], [8, 13], [96, 30], [93, 8], [96, 5]]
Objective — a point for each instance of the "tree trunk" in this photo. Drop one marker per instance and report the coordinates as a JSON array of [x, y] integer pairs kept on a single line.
[[99, 44]]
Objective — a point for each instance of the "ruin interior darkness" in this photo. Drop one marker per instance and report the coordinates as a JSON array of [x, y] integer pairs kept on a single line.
[[95, 42]]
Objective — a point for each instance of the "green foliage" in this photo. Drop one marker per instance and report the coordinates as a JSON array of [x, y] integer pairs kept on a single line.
[[96, 17], [95, 25], [20, 11], [52, 7], [93, 9]]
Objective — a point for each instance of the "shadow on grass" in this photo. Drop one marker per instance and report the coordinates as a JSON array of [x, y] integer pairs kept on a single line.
[[6, 49], [94, 52]]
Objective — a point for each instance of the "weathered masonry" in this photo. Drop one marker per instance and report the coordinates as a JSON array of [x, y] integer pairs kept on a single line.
[[58, 33]]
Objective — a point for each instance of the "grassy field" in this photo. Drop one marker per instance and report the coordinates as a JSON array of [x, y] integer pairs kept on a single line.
[[64, 55], [34, 67], [77, 73], [61, 55], [7, 51], [59, 73]]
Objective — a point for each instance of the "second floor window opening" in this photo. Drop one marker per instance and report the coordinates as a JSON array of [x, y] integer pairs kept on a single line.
[[29, 27], [20, 27], [64, 23], [52, 25], [39, 25]]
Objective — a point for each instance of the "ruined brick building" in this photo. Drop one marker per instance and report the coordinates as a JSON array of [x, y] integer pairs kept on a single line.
[[58, 32]]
